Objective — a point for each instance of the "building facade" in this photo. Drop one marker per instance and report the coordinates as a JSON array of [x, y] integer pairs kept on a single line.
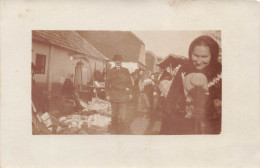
[[58, 55]]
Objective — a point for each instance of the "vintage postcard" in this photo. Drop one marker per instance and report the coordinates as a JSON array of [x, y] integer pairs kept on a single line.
[[172, 83]]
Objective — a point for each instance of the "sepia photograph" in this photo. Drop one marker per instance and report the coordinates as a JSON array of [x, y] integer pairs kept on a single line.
[[129, 84], [126, 82]]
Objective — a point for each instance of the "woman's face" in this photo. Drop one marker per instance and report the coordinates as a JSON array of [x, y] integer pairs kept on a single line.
[[201, 57]]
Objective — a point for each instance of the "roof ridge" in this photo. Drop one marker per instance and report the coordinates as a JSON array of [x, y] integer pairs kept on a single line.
[[68, 39], [90, 45]]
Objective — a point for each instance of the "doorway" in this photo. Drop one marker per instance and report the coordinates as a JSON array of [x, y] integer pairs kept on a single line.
[[78, 79]]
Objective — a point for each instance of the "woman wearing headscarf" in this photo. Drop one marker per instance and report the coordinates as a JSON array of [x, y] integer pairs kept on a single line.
[[68, 92], [193, 103]]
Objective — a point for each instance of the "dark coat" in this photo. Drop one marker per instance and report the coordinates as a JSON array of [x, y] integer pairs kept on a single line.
[[174, 121], [118, 85]]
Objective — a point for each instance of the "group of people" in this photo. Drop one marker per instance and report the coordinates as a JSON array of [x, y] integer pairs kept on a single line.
[[189, 94], [123, 88], [143, 90]]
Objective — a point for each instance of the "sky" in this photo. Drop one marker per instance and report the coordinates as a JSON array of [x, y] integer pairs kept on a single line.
[[163, 43]]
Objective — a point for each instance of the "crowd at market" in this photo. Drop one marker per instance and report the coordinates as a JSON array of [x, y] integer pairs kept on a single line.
[[185, 98]]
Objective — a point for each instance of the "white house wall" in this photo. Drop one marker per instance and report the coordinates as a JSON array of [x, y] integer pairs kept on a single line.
[[61, 64], [40, 48]]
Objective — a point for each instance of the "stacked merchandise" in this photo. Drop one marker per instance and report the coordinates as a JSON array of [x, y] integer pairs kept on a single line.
[[48, 120], [94, 119], [97, 105], [73, 124]]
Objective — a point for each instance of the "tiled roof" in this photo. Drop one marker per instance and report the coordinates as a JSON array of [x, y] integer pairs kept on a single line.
[[111, 43], [70, 40]]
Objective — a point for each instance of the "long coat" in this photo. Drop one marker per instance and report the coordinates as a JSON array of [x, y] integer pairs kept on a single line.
[[174, 121], [118, 84]]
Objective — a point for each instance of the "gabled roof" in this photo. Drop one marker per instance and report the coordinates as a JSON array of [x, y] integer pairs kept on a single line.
[[111, 43], [172, 61], [70, 40]]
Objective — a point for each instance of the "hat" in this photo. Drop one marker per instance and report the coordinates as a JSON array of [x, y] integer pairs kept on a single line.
[[117, 58], [193, 80]]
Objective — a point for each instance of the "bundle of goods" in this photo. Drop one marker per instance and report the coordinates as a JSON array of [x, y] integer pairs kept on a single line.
[[100, 106], [47, 119], [99, 84], [98, 124], [102, 84], [98, 120], [43, 123], [74, 123], [164, 87], [87, 110]]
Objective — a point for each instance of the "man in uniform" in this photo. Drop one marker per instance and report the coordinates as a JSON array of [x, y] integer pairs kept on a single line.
[[118, 92]]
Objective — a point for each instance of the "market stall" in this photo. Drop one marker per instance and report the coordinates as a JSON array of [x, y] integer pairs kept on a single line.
[[93, 119]]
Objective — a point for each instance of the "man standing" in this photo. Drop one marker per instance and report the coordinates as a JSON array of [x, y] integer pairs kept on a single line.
[[118, 92]]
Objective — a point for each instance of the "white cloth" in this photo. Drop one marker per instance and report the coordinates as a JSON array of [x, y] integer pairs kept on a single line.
[[164, 87], [145, 82]]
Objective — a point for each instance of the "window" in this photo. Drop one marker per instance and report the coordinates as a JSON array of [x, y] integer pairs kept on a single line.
[[40, 64]]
